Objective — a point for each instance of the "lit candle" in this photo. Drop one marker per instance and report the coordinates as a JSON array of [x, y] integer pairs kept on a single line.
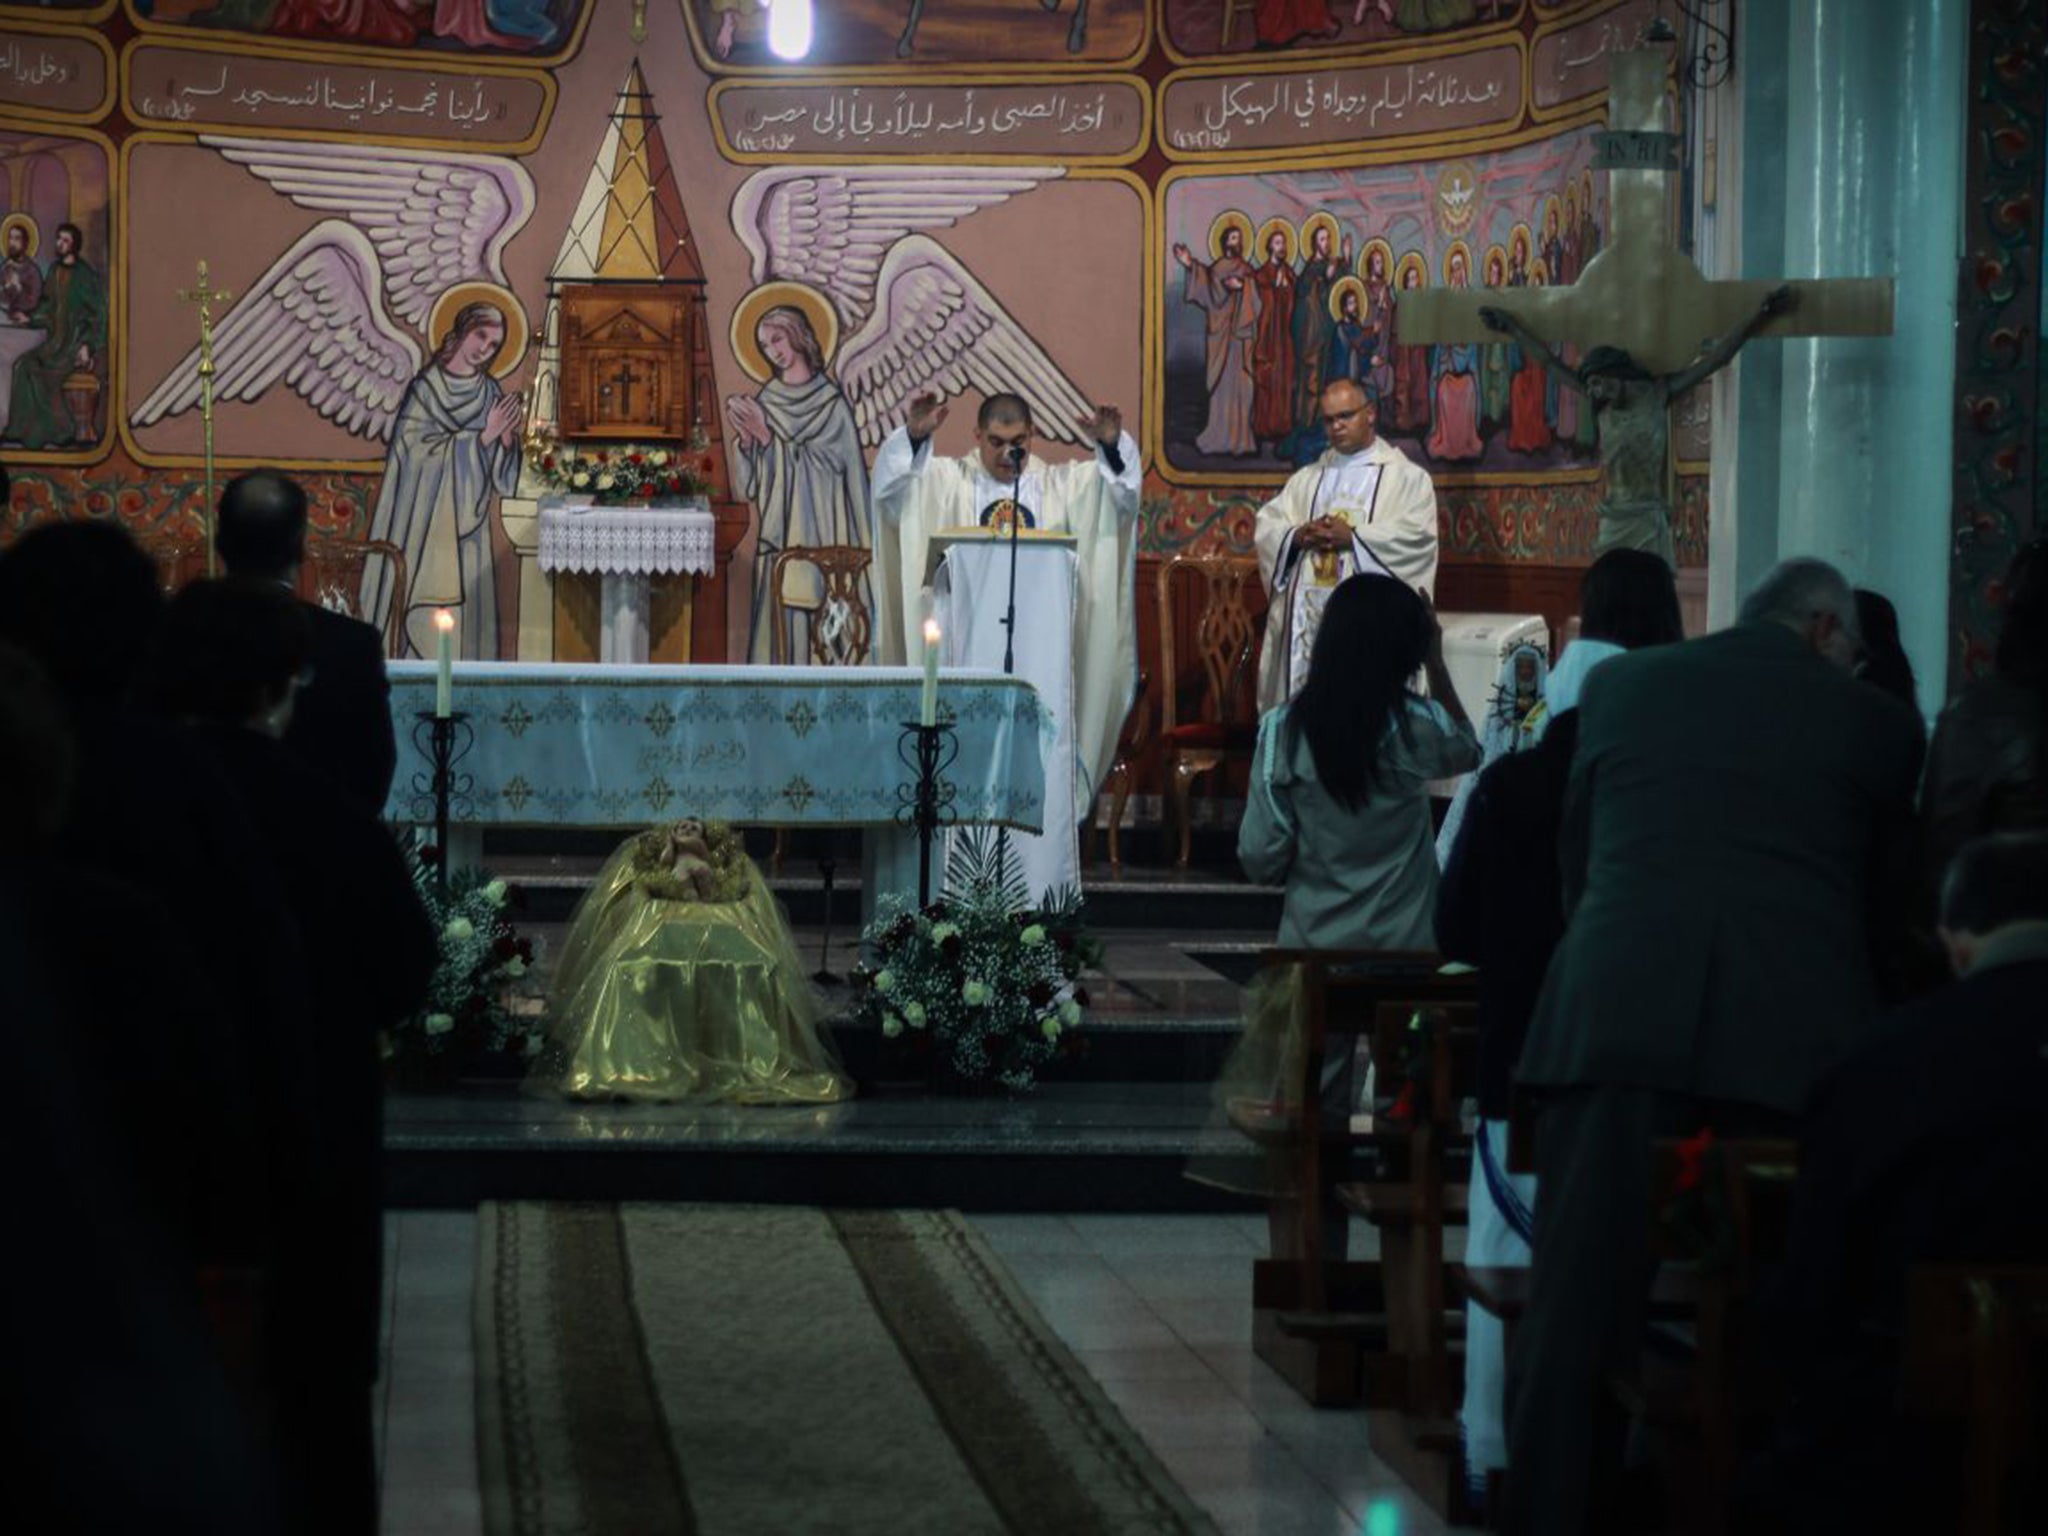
[[928, 708], [444, 678]]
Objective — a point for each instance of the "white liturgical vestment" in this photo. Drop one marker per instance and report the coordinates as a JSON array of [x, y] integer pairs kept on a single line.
[[1391, 506], [917, 495]]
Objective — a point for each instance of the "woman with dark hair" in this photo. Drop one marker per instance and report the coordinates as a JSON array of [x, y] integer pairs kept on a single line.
[[1338, 809], [1338, 813], [1500, 909], [1985, 771], [1883, 663]]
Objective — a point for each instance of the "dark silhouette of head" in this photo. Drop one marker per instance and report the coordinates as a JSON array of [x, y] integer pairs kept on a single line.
[[37, 758], [82, 599], [1374, 636], [1629, 598], [260, 529], [2023, 633], [1883, 661], [1605, 362], [232, 653]]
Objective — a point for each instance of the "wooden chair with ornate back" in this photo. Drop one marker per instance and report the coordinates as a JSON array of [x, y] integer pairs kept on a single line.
[[179, 553], [332, 576], [1210, 717], [840, 632]]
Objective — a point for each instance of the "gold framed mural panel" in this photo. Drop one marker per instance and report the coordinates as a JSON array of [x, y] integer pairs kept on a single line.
[[44, 26], [1155, 371], [117, 290], [1371, 51], [357, 53], [1141, 89], [899, 68], [149, 125], [1393, 145]]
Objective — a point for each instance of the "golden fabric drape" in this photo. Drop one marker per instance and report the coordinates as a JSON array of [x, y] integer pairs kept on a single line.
[[667, 1001]]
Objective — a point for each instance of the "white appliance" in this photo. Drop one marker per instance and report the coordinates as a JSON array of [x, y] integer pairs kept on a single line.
[[1475, 645]]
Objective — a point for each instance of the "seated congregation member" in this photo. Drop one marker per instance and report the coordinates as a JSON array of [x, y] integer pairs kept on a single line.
[[1729, 800], [1499, 908], [679, 980], [1985, 770], [229, 661], [1929, 1146], [341, 717]]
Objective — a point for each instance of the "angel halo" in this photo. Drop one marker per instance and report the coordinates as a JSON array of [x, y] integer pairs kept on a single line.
[[746, 322]]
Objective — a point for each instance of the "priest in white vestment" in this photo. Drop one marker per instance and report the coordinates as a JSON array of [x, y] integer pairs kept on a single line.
[[1364, 506], [918, 494]]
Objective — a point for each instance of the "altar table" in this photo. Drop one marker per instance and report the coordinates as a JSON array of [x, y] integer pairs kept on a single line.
[[624, 546], [569, 745]]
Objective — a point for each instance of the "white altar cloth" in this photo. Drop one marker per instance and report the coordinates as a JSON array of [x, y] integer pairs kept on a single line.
[[624, 546]]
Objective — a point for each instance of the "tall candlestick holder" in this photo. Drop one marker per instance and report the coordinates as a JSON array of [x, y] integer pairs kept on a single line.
[[926, 803], [443, 740]]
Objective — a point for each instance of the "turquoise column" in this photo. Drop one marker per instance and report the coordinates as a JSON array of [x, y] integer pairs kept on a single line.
[[1846, 443]]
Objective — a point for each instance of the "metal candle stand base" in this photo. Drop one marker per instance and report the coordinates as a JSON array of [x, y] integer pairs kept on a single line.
[[927, 802], [444, 740]]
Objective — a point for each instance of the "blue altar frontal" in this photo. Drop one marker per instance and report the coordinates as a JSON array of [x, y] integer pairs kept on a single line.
[[567, 745]]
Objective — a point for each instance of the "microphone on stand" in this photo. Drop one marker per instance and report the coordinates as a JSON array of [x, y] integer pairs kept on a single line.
[[1015, 454]]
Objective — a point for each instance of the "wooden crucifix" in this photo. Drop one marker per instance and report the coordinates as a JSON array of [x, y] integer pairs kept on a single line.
[[624, 380], [1654, 326]]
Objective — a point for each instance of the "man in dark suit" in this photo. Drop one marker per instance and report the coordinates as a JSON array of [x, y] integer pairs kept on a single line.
[[341, 723], [1736, 804], [1929, 1146]]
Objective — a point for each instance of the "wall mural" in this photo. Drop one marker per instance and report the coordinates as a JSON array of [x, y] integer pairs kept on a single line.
[[1197, 210]]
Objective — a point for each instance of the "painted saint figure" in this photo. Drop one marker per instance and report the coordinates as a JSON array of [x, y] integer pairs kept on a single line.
[[21, 280], [1632, 409], [797, 457], [1273, 343], [1411, 363], [1222, 289], [1321, 265], [1454, 370], [72, 315], [1496, 358], [454, 452]]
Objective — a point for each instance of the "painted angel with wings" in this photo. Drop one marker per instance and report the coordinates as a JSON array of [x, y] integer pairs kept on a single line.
[[846, 248], [411, 252]]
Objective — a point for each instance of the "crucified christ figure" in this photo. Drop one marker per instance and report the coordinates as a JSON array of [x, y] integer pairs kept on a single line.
[[1632, 407]]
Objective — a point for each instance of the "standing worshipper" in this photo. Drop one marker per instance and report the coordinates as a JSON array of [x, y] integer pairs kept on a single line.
[[454, 452], [918, 494], [1364, 506], [797, 457], [230, 661], [341, 719], [1499, 908], [1736, 813], [72, 314], [1986, 771], [1223, 290]]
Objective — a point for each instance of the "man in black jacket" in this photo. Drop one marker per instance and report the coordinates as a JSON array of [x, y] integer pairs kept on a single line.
[[1735, 806], [1929, 1146], [341, 721]]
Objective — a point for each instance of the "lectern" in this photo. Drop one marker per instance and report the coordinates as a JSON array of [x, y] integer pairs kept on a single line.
[[969, 573]]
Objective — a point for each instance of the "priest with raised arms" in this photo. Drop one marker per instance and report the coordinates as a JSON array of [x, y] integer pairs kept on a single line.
[[918, 494], [1363, 506]]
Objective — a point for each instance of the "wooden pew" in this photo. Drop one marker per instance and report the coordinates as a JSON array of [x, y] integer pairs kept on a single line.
[[1975, 1352], [1344, 1332]]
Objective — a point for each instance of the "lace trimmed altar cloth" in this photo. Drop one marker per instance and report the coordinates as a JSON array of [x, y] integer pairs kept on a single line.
[[625, 546], [659, 539]]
